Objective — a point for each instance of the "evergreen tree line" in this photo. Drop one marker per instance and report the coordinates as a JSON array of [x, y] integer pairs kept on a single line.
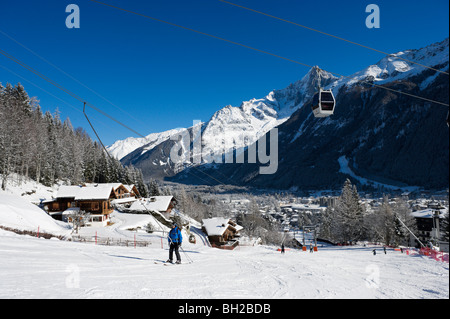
[[40, 146], [349, 222]]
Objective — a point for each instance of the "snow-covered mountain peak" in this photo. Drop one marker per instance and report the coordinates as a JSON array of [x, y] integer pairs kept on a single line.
[[122, 148], [256, 117], [240, 126], [397, 66]]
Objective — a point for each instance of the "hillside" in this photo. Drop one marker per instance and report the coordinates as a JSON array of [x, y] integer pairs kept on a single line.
[[19, 214]]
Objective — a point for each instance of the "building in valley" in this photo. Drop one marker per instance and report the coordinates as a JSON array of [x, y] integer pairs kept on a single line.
[[222, 232]]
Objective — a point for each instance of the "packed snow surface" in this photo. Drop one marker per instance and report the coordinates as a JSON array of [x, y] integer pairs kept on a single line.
[[33, 267], [39, 268], [18, 213]]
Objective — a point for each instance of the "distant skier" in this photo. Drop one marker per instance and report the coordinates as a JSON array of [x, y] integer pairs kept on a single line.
[[374, 252], [282, 248], [175, 240], [384, 248]]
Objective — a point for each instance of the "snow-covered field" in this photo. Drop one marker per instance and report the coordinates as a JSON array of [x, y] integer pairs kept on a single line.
[[33, 267], [39, 268]]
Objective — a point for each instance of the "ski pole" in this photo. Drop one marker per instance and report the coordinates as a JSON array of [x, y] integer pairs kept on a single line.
[[187, 256]]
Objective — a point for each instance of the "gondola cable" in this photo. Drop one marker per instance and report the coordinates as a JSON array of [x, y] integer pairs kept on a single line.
[[332, 35], [67, 74], [75, 96], [265, 52]]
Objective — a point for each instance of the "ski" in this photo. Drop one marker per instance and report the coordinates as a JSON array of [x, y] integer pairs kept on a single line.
[[159, 262], [165, 263]]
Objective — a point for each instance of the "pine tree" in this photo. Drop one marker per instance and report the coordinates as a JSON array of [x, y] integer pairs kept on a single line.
[[153, 188], [349, 214], [41, 147], [386, 221]]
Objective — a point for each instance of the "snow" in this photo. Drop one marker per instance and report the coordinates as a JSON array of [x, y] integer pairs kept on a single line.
[[234, 127], [37, 268], [216, 226], [154, 203], [18, 213], [33, 267], [390, 68], [96, 192], [28, 189], [345, 169], [122, 148], [429, 213], [68, 191]]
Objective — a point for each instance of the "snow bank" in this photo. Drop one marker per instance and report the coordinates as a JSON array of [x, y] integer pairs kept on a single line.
[[17, 213]]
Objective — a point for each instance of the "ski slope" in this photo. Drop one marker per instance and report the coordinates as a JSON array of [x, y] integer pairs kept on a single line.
[[39, 268], [33, 267]]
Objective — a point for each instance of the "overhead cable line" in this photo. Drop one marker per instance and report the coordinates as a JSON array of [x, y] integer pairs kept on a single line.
[[66, 74], [334, 36], [40, 88], [265, 52], [67, 91], [84, 107]]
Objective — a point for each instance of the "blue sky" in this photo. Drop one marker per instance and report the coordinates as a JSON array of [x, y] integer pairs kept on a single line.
[[158, 77]]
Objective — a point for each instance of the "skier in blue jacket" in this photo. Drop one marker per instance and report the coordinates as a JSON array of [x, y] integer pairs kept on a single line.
[[175, 240]]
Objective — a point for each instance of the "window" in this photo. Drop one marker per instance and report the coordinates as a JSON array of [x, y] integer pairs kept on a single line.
[[326, 97]]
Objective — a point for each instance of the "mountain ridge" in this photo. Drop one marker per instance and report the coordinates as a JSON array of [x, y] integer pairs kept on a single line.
[[256, 117]]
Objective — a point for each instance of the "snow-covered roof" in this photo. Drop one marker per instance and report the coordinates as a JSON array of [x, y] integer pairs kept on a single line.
[[429, 213], [123, 200], [68, 191], [154, 203], [218, 225], [98, 192], [129, 187], [71, 210], [89, 191], [112, 185]]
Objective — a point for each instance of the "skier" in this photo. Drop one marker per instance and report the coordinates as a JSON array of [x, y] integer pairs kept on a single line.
[[374, 252], [175, 240], [282, 248], [384, 248]]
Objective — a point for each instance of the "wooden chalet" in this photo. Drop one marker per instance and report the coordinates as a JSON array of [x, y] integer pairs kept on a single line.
[[222, 232], [65, 199], [120, 190], [133, 191], [94, 199]]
